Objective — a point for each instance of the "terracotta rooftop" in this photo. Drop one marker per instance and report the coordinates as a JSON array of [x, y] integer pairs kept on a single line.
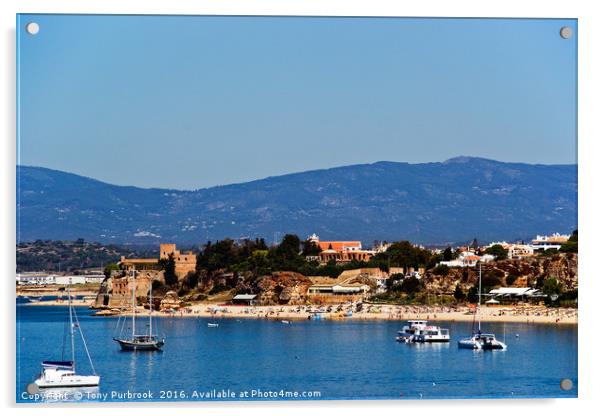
[[339, 245]]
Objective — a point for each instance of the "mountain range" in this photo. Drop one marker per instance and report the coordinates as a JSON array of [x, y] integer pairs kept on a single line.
[[430, 203]]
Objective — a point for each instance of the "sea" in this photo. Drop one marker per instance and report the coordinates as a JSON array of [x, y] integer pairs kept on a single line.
[[259, 359]]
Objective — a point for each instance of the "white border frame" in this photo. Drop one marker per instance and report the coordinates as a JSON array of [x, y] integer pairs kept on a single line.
[[590, 24]]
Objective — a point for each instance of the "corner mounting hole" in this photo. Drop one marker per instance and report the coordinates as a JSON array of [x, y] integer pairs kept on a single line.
[[32, 28], [566, 384], [566, 32]]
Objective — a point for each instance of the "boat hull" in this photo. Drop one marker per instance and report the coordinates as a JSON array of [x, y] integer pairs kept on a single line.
[[68, 382], [128, 345], [469, 344]]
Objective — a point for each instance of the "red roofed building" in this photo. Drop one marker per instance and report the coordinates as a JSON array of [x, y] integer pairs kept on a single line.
[[341, 251]]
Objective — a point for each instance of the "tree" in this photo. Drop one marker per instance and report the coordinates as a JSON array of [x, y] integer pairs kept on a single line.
[[551, 287], [498, 251], [410, 285], [492, 278], [405, 254], [473, 295], [459, 293], [441, 270], [109, 268], [448, 254], [310, 248], [510, 279], [288, 249], [168, 266], [393, 279], [571, 246], [191, 280]]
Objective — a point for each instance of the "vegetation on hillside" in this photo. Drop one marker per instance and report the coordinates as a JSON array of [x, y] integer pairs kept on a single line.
[[71, 256]]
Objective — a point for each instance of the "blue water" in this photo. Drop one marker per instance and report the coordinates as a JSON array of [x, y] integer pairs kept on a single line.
[[325, 359]]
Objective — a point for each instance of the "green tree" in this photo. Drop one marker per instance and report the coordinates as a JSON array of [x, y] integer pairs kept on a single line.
[[571, 246], [168, 266], [510, 279], [551, 287], [405, 254], [459, 293], [498, 251], [110, 268], [448, 254], [191, 280], [473, 294], [393, 279], [410, 285], [310, 248], [441, 270], [289, 247]]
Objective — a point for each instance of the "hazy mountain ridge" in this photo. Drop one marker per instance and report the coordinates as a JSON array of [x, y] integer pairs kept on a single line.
[[455, 200]]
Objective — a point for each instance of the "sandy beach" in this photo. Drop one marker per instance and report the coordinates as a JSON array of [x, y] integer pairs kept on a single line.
[[520, 314], [510, 313]]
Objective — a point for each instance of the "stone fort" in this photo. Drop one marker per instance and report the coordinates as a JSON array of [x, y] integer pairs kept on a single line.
[[185, 262]]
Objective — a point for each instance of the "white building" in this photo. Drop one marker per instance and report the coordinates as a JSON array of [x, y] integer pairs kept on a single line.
[[465, 259], [45, 279], [517, 251], [549, 241]]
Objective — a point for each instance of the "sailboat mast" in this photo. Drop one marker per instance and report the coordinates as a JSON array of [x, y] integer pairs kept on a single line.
[[150, 310], [133, 302], [479, 305], [71, 328]]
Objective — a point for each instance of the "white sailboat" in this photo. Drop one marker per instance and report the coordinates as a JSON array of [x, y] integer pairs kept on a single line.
[[62, 374], [479, 340], [140, 342]]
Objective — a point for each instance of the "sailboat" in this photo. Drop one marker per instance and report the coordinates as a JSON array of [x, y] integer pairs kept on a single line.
[[479, 340], [61, 374], [140, 342]]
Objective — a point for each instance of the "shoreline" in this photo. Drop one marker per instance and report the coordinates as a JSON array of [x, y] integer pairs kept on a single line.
[[500, 314]]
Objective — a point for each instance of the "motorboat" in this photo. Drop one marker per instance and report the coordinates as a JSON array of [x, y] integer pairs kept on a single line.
[[420, 331]]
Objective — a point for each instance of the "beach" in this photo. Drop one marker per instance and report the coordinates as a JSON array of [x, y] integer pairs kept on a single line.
[[518, 314], [521, 314]]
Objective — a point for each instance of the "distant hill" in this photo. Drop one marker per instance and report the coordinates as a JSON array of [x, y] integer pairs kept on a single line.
[[68, 256], [453, 201]]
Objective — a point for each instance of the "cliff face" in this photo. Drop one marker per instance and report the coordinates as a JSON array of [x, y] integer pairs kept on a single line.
[[284, 288], [528, 272]]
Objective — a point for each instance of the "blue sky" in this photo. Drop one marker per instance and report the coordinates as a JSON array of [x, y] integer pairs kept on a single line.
[[188, 102]]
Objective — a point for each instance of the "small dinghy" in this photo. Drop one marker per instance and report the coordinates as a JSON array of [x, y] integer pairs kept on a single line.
[[212, 325]]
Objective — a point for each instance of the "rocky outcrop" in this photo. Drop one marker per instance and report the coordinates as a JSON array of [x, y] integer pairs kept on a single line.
[[527, 272], [116, 291], [283, 288], [170, 301]]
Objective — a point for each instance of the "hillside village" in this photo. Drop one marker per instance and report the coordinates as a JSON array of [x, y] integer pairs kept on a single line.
[[319, 272]]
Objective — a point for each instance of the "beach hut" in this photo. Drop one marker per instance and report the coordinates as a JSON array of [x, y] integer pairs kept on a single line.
[[247, 299]]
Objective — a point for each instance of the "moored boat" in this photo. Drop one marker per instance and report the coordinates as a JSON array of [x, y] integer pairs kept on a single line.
[[140, 342], [479, 340], [62, 374], [419, 331]]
